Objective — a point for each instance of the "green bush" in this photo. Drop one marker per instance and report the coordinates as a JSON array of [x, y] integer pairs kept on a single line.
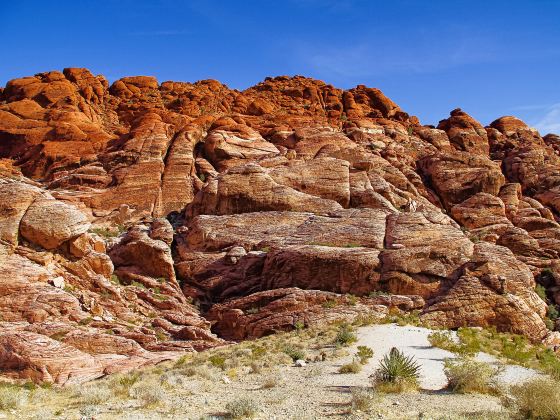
[[217, 360], [352, 367], [397, 370], [351, 300], [443, 340], [467, 376], [541, 291], [345, 336], [363, 354], [470, 341], [329, 304], [294, 352]]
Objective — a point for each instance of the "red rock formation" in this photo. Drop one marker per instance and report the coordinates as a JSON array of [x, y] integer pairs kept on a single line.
[[134, 216]]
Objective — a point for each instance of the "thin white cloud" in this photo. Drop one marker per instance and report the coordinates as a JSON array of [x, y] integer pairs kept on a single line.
[[550, 121], [363, 60]]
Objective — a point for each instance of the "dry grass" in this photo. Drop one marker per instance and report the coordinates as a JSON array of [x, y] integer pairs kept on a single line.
[[120, 384], [271, 381], [242, 408], [92, 394], [397, 387], [467, 376], [362, 399], [12, 397], [353, 367], [150, 393], [537, 399]]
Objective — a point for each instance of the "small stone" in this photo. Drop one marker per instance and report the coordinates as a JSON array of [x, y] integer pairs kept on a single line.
[[226, 380], [234, 254], [300, 363], [58, 282]]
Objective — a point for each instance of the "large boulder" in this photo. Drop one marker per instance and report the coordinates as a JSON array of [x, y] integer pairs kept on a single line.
[[424, 251], [493, 289], [138, 253], [49, 223], [15, 199]]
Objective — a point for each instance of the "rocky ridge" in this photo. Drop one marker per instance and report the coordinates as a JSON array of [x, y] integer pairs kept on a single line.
[[141, 220]]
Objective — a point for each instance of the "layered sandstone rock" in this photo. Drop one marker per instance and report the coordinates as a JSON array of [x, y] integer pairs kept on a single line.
[[142, 220]]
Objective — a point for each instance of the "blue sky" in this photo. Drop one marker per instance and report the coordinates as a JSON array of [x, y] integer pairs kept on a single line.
[[491, 57]]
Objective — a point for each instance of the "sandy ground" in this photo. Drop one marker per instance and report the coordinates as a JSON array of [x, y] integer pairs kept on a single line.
[[317, 390], [413, 341]]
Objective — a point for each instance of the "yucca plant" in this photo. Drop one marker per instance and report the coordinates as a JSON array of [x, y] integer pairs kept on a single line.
[[397, 368]]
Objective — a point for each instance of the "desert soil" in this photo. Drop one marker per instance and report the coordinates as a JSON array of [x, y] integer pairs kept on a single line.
[[317, 390]]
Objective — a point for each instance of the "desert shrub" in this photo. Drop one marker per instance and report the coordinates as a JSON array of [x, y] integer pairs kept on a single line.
[[150, 393], [467, 376], [42, 414], [363, 354], [106, 232], [252, 311], [330, 303], [362, 399], [232, 373], [517, 349], [242, 407], [89, 411], [549, 363], [537, 399], [541, 291], [410, 318], [345, 336], [353, 367], [514, 348], [365, 320], [299, 325], [271, 381], [294, 352], [446, 341], [396, 372], [314, 371], [377, 293], [396, 316], [172, 379], [93, 394], [470, 341], [258, 352], [12, 397], [351, 300], [217, 360], [443, 340], [121, 384], [256, 367]]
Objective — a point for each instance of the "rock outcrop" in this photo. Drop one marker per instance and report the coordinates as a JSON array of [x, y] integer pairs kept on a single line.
[[142, 220]]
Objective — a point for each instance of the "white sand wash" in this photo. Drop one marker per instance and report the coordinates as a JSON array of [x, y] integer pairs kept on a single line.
[[413, 341]]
